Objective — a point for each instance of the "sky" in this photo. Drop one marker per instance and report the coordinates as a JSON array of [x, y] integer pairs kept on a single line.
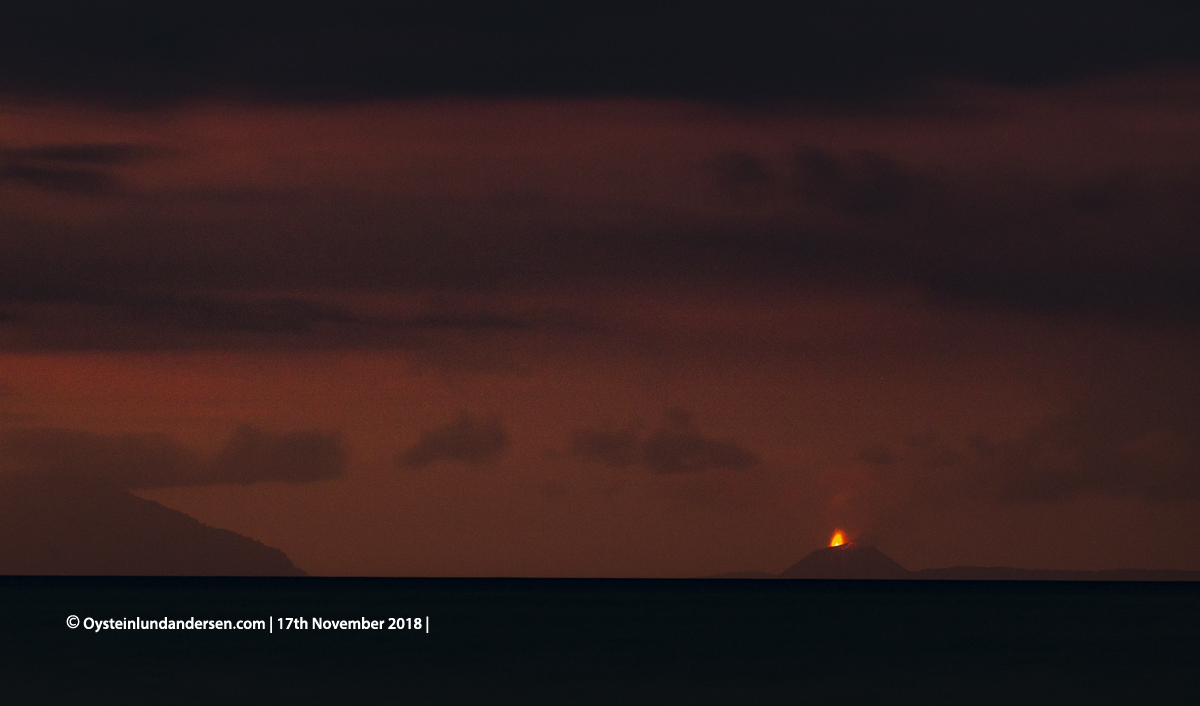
[[551, 289]]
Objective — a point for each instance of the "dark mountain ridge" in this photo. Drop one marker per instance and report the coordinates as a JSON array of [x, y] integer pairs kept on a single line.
[[94, 529], [1004, 573], [857, 561]]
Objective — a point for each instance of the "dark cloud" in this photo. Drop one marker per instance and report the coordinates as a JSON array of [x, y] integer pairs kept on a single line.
[[861, 183], [144, 461], [1133, 435], [252, 456], [676, 447], [75, 181], [98, 319], [276, 315], [744, 175], [618, 449], [470, 439], [878, 454], [1115, 240], [1112, 242], [71, 168], [140, 52], [679, 448], [1109, 234], [1139, 440], [91, 154]]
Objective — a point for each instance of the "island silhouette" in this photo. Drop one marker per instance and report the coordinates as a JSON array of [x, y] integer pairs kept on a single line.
[[49, 527], [854, 560]]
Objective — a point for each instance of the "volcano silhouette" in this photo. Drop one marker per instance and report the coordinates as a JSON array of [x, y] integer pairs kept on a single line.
[[848, 561], [859, 561]]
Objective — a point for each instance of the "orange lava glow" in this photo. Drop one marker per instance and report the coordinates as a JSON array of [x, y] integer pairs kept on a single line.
[[838, 539]]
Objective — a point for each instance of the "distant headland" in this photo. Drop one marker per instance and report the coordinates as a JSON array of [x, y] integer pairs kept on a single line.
[[97, 529]]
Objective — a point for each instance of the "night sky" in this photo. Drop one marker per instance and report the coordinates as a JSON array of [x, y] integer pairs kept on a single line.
[[612, 289]]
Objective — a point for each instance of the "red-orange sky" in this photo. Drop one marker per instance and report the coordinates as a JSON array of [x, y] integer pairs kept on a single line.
[[620, 336]]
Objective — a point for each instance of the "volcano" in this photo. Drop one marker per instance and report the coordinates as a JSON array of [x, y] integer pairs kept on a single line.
[[851, 560], [846, 561]]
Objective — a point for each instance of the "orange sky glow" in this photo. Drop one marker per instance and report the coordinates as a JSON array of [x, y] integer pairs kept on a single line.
[[669, 407]]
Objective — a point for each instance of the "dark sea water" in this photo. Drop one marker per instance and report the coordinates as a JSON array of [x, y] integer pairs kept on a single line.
[[583, 641]]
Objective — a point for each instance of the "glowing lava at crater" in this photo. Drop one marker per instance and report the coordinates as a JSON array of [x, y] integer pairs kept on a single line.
[[838, 539]]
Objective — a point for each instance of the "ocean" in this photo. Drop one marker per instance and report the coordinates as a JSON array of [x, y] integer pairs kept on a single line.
[[600, 641]]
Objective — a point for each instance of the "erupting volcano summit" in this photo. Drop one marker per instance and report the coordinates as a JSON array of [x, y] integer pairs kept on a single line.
[[845, 560], [848, 559]]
